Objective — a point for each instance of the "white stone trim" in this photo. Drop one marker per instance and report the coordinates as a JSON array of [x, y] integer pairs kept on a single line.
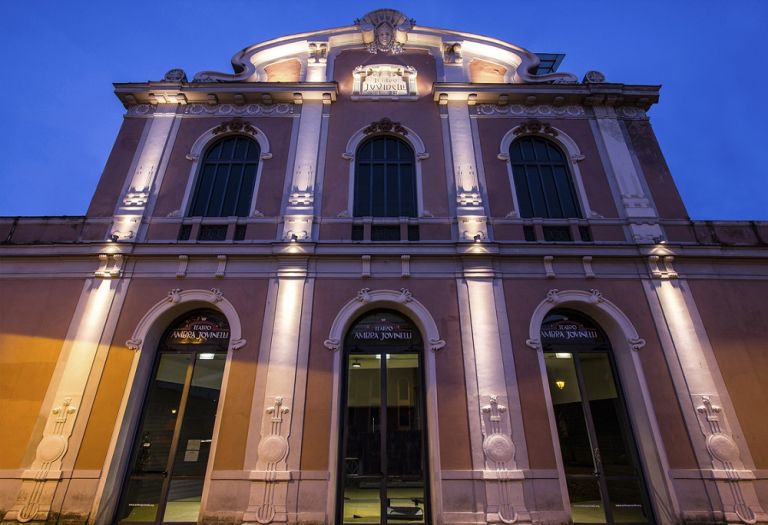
[[573, 156], [419, 152], [145, 340], [201, 144], [403, 302], [625, 343]]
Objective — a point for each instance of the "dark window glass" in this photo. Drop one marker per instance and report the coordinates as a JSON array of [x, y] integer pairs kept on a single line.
[[557, 233], [357, 232], [529, 233], [240, 232], [385, 178], [413, 232], [212, 232], [585, 233], [184, 232], [385, 233], [542, 180], [226, 180]]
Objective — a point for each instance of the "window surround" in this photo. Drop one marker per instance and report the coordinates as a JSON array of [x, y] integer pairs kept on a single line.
[[625, 347], [419, 153], [144, 342], [572, 155], [201, 145]]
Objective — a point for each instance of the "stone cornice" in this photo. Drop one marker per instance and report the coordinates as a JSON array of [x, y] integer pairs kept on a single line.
[[641, 96], [237, 93]]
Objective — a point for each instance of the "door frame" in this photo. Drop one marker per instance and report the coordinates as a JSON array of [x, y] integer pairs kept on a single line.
[[625, 343], [145, 342], [343, 399], [404, 303]]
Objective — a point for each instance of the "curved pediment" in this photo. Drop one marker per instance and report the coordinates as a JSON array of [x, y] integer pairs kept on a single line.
[[461, 57]]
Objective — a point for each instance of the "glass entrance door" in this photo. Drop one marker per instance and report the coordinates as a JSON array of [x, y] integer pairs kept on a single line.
[[383, 453], [603, 474], [171, 451]]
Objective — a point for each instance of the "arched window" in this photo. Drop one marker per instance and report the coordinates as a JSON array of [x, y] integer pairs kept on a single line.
[[385, 178], [172, 445], [605, 479], [226, 179], [542, 180]]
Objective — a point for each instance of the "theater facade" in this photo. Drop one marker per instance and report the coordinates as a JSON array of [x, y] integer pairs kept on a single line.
[[384, 273]]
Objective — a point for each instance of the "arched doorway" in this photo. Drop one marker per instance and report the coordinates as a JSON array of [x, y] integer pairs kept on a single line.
[[602, 469], [171, 448], [383, 449]]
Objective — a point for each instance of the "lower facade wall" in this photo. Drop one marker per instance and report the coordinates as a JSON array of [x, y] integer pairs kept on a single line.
[[685, 476]]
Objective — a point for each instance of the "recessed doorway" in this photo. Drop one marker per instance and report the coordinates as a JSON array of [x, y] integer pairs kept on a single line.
[[171, 449], [602, 469], [383, 462]]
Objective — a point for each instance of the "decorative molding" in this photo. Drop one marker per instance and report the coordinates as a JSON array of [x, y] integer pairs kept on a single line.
[[452, 53], [223, 110], [593, 77], [235, 125], [586, 262], [175, 75], [40, 480], [318, 52], [405, 266], [549, 269], [140, 110], [137, 197], [385, 125], [176, 302], [536, 127], [272, 451], [365, 271], [520, 110], [385, 30], [667, 271], [591, 302], [724, 452], [631, 113], [402, 301], [181, 271], [110, 266], [499, 450], [221, 267]]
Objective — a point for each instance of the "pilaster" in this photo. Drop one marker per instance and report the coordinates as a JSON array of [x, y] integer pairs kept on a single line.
[[470, 208], [722, 454], [634, 200], [495, 416], [284, 350]]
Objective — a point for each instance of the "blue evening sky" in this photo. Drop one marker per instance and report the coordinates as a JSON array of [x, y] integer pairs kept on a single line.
[[59, 59]]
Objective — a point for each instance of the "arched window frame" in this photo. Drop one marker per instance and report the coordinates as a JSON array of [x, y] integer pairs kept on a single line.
[[571, 153], [202, 144], [419, 153], [404, 303], [145, 342], [625, 346]]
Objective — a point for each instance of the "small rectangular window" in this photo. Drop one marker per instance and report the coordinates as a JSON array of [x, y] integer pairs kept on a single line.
[[212, 232], [240, 232], [385, 233], [413, 232], [184, 232], [585, 233], [357, 232], [557, 234], [529, 233]]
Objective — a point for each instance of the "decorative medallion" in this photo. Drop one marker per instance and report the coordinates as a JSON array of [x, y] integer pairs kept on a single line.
[[499, 448], [385, 30], [722, 447], [51, 448], [273, 449]]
